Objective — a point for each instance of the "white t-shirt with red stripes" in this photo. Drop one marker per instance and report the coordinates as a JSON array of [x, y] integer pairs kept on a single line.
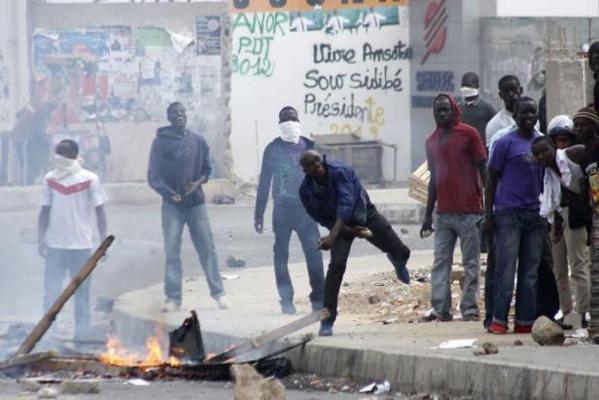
[[72, 201]]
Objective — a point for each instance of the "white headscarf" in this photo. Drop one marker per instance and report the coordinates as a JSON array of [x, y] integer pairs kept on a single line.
[[64, 167], [291, 131]]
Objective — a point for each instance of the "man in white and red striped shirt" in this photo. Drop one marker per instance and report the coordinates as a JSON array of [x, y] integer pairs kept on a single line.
[[71, 197]]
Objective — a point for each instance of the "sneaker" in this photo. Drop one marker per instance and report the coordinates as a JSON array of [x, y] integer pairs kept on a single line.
[[522, 328], [170, 305], [497, 328], [223, 302], [471, 318], [288, 308], [562, 324], [400, 270], [431, 316], [326, 329], [584, 320]]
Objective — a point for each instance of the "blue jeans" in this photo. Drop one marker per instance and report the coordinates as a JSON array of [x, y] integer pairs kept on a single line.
[[448, 228], [174, 218], [58, 262], [519, 240], [285, 221]]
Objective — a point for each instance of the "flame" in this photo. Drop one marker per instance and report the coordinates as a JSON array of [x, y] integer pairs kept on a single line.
[[117, 354]]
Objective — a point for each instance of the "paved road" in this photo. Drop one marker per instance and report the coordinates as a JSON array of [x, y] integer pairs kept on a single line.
[[136, 258], [117, 389]]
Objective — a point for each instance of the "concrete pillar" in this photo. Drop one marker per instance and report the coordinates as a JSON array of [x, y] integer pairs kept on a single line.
[[569, 85]]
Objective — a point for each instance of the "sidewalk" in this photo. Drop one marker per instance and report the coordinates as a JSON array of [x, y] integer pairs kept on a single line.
[[405, 354], [394, 204]]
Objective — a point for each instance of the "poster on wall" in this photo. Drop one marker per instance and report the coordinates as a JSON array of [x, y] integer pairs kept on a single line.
[[115, 73], [208, 35]]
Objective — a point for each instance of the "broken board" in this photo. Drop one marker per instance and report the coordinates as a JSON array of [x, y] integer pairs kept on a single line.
[[269, 337]]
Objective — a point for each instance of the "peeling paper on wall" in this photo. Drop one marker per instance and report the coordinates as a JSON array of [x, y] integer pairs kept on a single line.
[[180, 40]]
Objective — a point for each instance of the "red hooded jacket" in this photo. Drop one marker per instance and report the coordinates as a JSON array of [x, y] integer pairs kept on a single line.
[[454, 160]]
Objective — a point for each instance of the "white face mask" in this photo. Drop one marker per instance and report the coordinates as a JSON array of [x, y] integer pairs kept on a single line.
[[291, 131], [468, 92], [64, 166]]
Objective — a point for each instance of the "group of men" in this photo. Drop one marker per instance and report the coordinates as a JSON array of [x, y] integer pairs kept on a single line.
[[307, 189], [499, 184], [535, 214]]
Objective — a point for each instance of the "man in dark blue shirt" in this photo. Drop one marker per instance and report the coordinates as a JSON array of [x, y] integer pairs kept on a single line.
[[179, 166], [334, 197], [280, 165]]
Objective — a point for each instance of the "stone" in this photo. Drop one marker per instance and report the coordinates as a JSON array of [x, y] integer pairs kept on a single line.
[[250, 385], [47, 393], [518, 342], [484, 349], [373, 299], [82, 386], [547, 333]]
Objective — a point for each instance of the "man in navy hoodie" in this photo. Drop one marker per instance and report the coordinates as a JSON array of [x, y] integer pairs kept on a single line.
[[334, 197], [179, 166], [280, 165]]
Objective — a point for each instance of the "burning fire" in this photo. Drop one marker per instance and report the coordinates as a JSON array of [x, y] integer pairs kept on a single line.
[[117, 354]]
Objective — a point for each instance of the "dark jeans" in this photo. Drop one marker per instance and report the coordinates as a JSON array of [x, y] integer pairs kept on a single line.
[[285, 221], [547, 293], [174, 218], [58, 262], [519, 240], [384, 238], [489, 279]]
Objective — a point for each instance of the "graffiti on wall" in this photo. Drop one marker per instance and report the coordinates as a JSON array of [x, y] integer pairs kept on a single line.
[[257, 6]]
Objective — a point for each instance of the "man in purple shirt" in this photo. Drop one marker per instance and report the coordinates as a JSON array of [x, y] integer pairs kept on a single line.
[[512, 210]]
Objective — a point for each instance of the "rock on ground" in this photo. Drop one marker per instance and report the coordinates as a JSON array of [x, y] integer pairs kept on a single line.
[[250, 385], [547, 333]]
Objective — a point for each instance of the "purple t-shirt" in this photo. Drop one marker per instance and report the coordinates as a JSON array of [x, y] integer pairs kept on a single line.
[[521, 178]]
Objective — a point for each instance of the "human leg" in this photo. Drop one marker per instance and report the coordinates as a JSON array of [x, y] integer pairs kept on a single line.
[[469, 233], [172, 227], [385, 239], [507, 245], [307, 232], [282, 228], [576, 240], [445, 240], [560, 270], [533, 238], [201, 236], [76, 259]]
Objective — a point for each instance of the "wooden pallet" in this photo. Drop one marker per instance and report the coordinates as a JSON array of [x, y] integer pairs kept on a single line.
[[418, 183]]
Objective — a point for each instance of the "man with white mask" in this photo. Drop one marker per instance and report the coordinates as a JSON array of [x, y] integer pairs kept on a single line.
[[476, 111], [71, 195], [280, 164]]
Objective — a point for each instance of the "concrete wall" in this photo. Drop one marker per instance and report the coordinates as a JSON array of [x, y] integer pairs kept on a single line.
[[211, 111], [14, 74]]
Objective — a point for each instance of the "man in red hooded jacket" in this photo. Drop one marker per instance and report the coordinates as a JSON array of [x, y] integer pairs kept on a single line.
[[457, 161]]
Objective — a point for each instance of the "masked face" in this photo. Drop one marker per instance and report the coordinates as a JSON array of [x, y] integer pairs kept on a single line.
[[290, 131]]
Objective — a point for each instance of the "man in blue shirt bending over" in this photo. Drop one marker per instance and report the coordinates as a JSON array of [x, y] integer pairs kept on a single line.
[[334, 197]]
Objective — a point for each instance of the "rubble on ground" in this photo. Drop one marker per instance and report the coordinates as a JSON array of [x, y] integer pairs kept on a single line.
[[382, 298], [484, 349]]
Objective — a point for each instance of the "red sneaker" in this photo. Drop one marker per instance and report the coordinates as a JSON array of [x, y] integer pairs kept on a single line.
[[522, 328], [498, 329]]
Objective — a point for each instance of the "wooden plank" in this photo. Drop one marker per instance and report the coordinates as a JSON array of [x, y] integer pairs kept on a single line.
[[27, 359], [44, 324], [269, 337]]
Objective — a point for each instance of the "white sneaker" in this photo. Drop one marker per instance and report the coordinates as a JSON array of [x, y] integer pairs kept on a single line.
[[223, 302], [170, 305]]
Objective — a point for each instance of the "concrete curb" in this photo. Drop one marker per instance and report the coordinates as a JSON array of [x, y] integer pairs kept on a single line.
[[415, 373]]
